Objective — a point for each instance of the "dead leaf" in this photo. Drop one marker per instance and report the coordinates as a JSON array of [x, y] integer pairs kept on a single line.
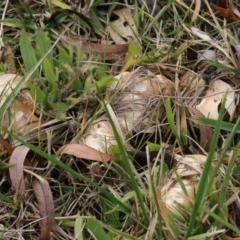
[[205, 131], [7, 146], [125, 25], [226, 13], [16, 172], [46, 207], [104, 51], [237, 48], [226, 237], [82, 151], [222, 3]]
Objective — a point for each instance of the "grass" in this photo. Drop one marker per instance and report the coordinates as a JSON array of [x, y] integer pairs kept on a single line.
[[70, 68]]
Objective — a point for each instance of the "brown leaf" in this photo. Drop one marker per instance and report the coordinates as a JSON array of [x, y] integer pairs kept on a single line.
[[226, 13], [205, 132], [104, 51], [226, 237], [7, 146], [237, 48], [82, 151], [222, 3], [46, 206], [16, 172]]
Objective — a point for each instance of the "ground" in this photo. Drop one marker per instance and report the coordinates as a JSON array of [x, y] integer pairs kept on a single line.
[[119, 120]]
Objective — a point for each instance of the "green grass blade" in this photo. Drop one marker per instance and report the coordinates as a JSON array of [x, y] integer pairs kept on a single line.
[[11, 96], [78, 228], [52, 79], [221, 220], [223, 154], [125, 160], [170, 119], [120, 234], [222, 198], [28, 54], [124, 207], [212, 123], [64, 57], [13, 22], [204, 184], [3, 197], [43, 43], [156, 18], [96, 230]]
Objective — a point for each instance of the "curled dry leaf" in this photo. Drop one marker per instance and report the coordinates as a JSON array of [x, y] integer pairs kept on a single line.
[[104, 51], [44, 197], [17, 159], [227, 13], [83, 151]]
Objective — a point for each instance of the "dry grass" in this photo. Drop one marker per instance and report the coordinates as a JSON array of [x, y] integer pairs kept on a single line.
[[89, 101]]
